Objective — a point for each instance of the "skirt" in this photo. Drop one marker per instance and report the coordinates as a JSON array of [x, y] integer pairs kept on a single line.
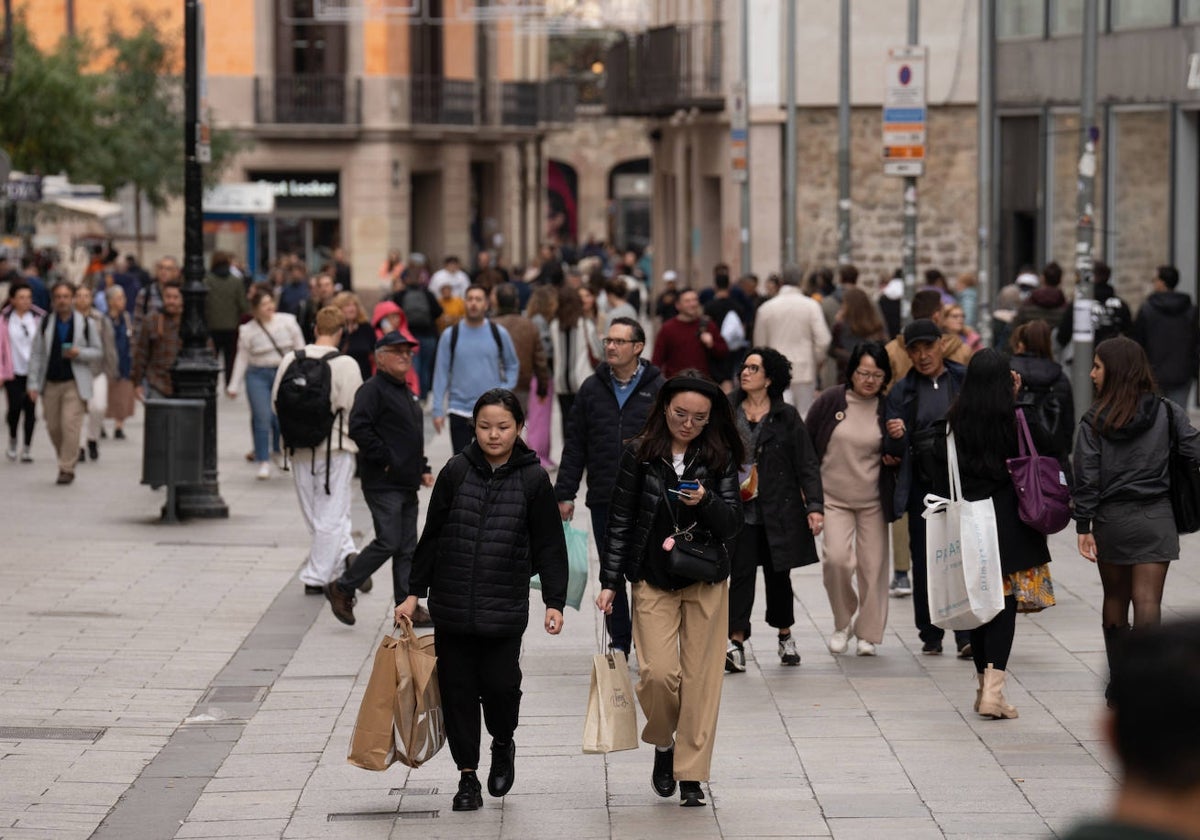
[[121, 400], [1128, 533]]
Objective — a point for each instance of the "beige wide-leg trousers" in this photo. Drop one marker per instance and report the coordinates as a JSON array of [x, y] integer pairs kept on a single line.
[[856, 549]]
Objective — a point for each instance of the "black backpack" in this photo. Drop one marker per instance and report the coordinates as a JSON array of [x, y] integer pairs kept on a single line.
[[304, 405], [417, 310]]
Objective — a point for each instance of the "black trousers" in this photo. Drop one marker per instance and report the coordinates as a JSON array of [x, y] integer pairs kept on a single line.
[[752, 551], [394, 513], [476, 671], [565, 403], [462, 432], [992, 643], [18, 404], [619, 623], [926, 629], [225, 343]]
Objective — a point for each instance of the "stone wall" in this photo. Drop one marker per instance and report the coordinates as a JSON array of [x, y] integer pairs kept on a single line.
[[1141, 221], [946, 193]]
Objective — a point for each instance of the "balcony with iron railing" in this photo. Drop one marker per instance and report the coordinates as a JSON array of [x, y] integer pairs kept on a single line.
[[308, 100], [438, 101], [666, 69]]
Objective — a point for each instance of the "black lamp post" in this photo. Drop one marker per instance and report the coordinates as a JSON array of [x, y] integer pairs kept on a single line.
[[195, 372]]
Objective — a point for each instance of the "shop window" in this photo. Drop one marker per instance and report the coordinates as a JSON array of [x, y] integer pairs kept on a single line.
[[1066, 16], [1141, 14], [1189, 11]]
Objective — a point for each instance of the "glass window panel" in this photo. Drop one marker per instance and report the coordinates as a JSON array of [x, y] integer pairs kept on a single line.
[[1189, 11], [1021, 19], [1138, 14], [1066, 16]]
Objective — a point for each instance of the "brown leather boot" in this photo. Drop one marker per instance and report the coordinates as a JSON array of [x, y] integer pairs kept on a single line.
[[991, 699], [341, 603]]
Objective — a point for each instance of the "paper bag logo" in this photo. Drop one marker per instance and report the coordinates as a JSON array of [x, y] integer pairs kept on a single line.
[[619, 700]]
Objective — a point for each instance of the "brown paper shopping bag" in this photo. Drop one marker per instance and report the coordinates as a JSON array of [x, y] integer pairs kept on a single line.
[[420, 727], [373, 744], [611, 723]]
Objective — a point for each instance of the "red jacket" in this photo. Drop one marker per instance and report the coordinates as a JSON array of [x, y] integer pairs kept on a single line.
[[384, 309], [678, 346]]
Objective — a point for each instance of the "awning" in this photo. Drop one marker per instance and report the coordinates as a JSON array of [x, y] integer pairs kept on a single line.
[[95, 207]]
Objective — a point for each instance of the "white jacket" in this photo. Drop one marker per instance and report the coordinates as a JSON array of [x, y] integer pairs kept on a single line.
[[86, 336], [570, 373], [794, 324]]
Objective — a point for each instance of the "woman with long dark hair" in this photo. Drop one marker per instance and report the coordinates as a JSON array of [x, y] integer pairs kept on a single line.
[[782, 503], [857, 320], [847, 428], [1122, 504], [983, 420], [677, 481]]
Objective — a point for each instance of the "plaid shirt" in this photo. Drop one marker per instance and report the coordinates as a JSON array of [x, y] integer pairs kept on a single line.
[[158, 343]]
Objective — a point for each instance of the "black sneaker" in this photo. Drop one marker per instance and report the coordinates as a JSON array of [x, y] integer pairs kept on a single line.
[[119, 434], [93, 450], [500, 777], [309, 589], [662, 778], [932, 648], [469, 796], [691, 795], [82, 455]]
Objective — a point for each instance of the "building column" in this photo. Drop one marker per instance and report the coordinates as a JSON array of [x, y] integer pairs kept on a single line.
[[767, 195], [456, 203], [374, 210]]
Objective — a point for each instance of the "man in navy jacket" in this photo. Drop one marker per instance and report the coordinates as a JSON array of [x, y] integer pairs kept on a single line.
[[389, 427], [611, 407]]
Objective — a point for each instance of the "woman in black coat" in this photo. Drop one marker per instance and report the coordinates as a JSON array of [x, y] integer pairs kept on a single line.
[[782, 503], [1046, 396], [983, 421], [677, 483]]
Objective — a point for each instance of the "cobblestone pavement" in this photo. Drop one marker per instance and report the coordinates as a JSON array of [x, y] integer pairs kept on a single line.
[[173, 681]]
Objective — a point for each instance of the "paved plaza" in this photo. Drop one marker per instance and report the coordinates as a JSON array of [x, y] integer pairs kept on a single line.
[[162, 681]]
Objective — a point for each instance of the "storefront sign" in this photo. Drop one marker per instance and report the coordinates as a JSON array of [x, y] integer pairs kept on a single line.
[[240, 199], [301, 189]]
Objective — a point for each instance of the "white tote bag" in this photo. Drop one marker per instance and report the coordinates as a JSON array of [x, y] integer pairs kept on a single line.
[[962, 556]]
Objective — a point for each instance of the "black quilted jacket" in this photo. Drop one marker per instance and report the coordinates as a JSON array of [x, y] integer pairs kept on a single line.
[[640, 490], [486, 533]]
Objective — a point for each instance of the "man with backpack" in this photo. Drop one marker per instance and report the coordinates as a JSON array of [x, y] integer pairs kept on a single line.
[[473, 356], [422, 310], [313, 394]]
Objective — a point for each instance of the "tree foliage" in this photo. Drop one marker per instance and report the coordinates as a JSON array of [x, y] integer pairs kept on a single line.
[[119, 126]]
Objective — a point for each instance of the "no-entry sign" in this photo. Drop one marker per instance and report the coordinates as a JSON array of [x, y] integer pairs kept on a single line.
[[904, 112]]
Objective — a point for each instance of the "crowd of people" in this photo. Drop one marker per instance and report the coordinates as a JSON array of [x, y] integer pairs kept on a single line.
[[794, 422]]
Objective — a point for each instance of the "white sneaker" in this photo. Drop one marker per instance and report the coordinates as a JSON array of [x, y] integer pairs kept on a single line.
[[264, 471], [12, 449], [839, 641], [865, 648]]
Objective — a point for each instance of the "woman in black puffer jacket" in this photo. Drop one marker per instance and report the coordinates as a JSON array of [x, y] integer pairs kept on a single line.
[[677, 481], [1045, 394], [492, 524]]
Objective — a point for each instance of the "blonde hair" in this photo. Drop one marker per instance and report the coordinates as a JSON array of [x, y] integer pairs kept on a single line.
[[330, 320], [342, 298]]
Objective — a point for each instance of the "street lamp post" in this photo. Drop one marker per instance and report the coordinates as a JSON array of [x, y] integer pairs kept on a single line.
[[194, 375]]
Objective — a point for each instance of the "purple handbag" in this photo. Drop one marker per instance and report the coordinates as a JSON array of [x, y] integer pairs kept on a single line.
[[1043, 499]]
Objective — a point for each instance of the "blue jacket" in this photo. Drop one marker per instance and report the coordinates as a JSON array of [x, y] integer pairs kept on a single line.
[[902, 404]]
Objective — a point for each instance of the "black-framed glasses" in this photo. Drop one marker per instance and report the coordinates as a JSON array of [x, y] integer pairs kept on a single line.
[[752, 368], [617, 342]]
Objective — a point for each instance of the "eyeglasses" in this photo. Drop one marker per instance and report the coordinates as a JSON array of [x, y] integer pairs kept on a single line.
[[683, 418], [617, 342], [400, 350], [871, 376], [752, 368]]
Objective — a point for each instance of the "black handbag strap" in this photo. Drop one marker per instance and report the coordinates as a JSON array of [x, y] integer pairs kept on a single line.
[[1172, 435]]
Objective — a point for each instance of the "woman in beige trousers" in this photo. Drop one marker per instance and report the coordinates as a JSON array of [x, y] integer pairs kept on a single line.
[[846, 426]]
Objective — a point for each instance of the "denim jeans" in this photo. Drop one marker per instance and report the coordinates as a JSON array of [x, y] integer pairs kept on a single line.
[[263, 422]]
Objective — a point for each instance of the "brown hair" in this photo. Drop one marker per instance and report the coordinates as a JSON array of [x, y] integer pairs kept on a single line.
[[330, 320], [860, 315], [570, 308], [1035, 335], [260, 291], [1127, 377], [544, 302], [342, 298]]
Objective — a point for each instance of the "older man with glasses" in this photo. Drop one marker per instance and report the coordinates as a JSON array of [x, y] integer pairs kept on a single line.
[[611, 406]]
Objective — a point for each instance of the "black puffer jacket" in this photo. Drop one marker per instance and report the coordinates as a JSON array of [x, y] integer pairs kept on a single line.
[[486, 533], [596, 431], [1047, 400], [641, 490]]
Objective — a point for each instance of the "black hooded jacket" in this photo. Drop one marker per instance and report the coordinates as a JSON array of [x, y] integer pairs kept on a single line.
[[487, 532], [1167, 327], [1127, 464], [1047, 400]]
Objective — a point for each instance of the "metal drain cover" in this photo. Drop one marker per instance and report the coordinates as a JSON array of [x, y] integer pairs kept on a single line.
[[235, 694], [49, 733]]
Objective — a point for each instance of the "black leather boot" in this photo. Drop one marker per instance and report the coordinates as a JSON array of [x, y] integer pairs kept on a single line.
[[503, 772], [1114, 641], [663, 776]]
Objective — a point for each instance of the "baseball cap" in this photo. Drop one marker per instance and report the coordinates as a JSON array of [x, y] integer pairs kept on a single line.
[[394, 339], [669, 276], [920, 330], [1028, 280]]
